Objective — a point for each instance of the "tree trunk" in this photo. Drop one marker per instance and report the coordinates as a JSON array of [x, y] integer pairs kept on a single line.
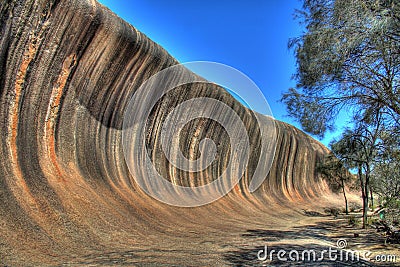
[[371, 197], [345, 197], [364, 196], [365, 211]]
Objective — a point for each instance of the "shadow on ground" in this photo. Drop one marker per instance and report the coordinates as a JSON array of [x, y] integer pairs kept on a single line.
[[307, 255], [301, 255]]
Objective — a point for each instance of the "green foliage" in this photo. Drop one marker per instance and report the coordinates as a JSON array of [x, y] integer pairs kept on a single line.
[[336, 174], [334, 171], [334, 211], [392, 211], [354, 206], [386, 177], [353, 221], [359, 148], [387, 181], [349, 57], [373, 221]]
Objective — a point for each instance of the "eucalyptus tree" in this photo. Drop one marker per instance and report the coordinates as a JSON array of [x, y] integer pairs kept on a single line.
[[386, 174], [360, 148], [337, 174], [348, 58]]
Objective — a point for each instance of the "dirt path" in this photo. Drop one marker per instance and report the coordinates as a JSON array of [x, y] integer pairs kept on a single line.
[[315, 234], [243, 247]]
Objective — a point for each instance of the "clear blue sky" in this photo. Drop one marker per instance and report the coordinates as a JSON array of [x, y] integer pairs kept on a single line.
[[250, 36]]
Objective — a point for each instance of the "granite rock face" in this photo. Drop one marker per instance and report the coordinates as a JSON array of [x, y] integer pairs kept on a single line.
[[68, 71]]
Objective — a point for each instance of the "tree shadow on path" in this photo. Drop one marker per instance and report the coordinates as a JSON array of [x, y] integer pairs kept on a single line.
[[297, 253]]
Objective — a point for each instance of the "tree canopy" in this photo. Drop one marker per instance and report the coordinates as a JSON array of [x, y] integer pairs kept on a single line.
[[348, 58]]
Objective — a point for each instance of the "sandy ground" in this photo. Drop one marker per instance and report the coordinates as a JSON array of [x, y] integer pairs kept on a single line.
[[246, 247], [318, 234]]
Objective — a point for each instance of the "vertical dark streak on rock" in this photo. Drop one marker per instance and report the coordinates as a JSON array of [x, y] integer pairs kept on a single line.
[[5, 37]]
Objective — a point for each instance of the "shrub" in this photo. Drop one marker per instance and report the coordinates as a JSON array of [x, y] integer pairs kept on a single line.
[[332, 211], [353, 221], [354, 206], [373, 221]]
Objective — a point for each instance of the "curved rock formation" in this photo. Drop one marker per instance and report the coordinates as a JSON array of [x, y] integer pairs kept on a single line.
[[68, 70]]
